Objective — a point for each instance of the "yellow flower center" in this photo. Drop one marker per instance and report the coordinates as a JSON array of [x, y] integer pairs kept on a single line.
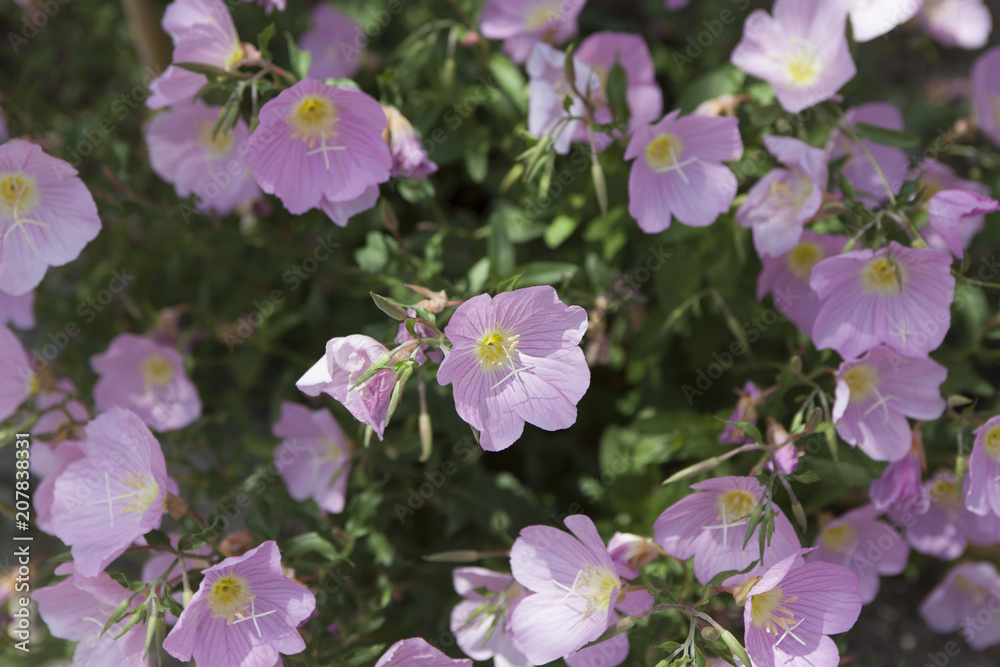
[[595, 588], [313, 117], [157, 371], [944, 492], [839, 538], [541, 15], [496, 348], [219, 144], [144, 491], [229, 597], [664, 152], [735, 505], [992, 442], [976, 592], [803, 64], [18, 193], [883, 275], [804, 257], [862, 380], [767, 611]]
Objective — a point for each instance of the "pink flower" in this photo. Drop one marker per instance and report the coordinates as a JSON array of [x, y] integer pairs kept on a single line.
[[946, 528], [678, 170], [711, 526], [330, 40], [524, 23], [858, 167], [481, 621], [986, 94], [936, 178], [948, 209], [791, 611], [113, 495], [575, 588], [313, 458], [409, 159], [77, 608], [959, 603], [901, 487], [875, 395], [746, 411], [346, 360], [270, 5], [547, 113], [982, 493], [62, 455], [515, 358], [600, 52], [203, 32], [898, 296], [780, 204], [319, 145], [147, 378], [18, 310], [787, 277], [183, 152], [417, 653], [802, 51], [17, 381], [874, 18], [869, 547], [963, 23], [244, 613], [630, 553], [47, 215], [786, 456]]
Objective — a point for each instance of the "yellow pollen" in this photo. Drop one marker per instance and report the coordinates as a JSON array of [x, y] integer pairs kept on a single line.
[[18, 193], [883, 275], [229, 597], [595, 587], [496, 348], [34, 385], [862, 380], [992, 442], [735, 504], [541, 15], [943, 492], [157, 371], [313, 117], [664, 152], [803, 65], [144, 492], [220, 144], [767, 611], [839, 538], [804, 257]]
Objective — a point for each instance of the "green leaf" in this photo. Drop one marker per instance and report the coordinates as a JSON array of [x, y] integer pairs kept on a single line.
[[263, 39], [301, 60], [886, 137], [748, 429], [560, 229], [157, 538], [807, 477], [617, 92], [310, 542], [390, 307]]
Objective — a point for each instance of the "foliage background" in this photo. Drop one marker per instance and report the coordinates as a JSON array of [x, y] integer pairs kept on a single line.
[[465, 232]]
